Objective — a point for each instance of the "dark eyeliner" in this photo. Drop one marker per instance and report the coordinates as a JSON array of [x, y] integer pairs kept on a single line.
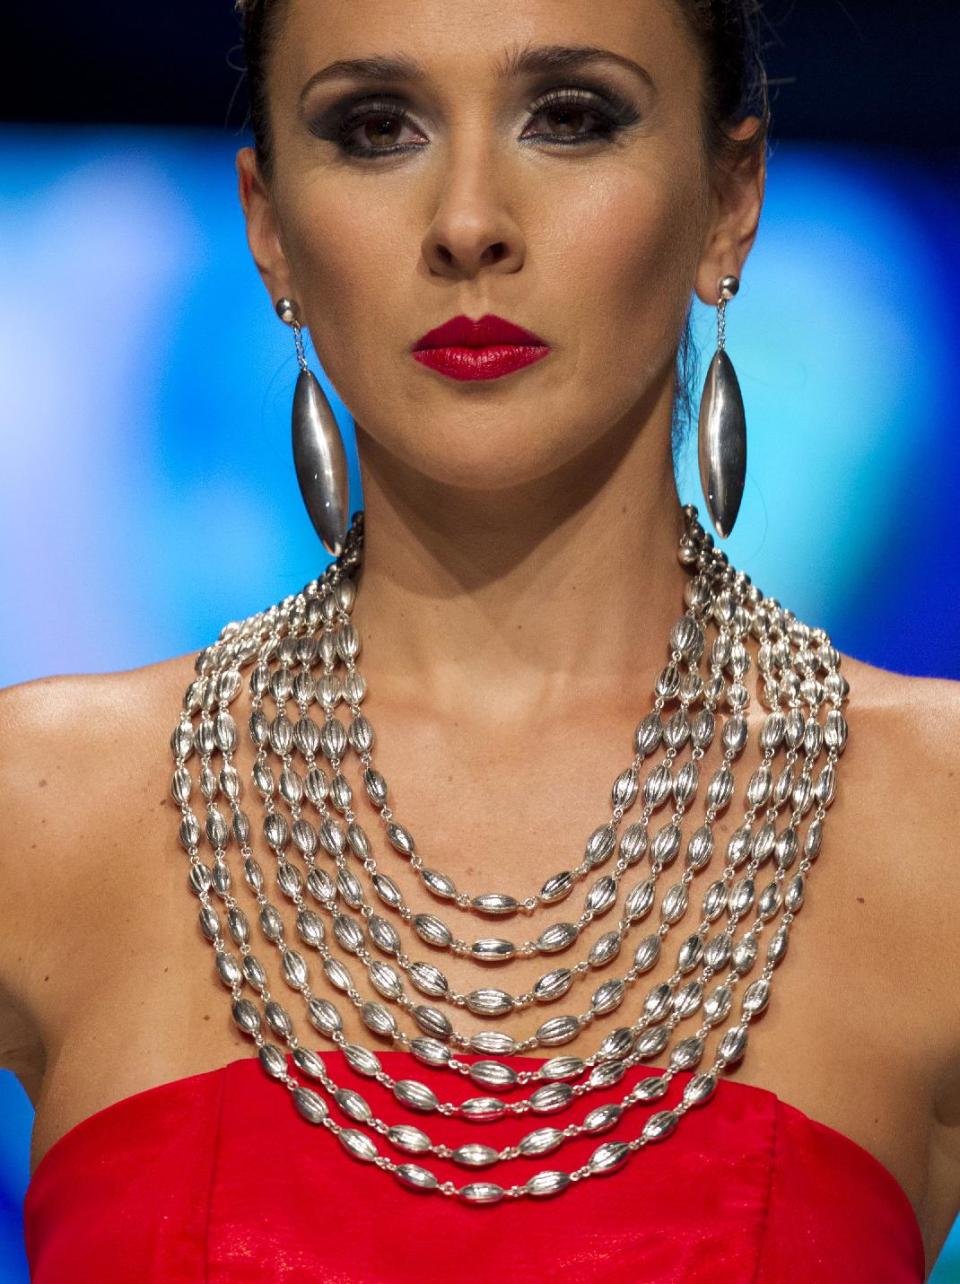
[[338, 122], [612, 112]]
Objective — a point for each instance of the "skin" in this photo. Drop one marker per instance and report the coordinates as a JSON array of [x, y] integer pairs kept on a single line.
[[492, 507], [520, 579]]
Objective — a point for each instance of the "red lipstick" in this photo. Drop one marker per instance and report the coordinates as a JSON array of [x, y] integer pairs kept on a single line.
[[483, 349]]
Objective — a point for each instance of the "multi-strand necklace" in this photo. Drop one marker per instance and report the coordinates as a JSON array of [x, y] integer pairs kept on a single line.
[[303, 652]]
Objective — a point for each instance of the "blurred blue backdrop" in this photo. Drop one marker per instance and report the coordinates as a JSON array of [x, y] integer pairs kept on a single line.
[[146, 401]]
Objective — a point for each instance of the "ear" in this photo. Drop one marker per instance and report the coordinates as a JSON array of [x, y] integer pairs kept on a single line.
[[263, 232], [736, 201]]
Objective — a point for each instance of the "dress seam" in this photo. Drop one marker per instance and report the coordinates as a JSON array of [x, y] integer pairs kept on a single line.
[[765, 1222], [215, 1149]]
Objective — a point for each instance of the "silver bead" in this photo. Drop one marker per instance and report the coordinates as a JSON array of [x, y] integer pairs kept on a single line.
[[495, 903], [432, 930], [493, 950], [557, 1030], [272, 1060], [309, 1063], [481, 1192], [660, 1125], [489, 1002], [609, 1157], [603, 1118], [429, 980], [432, 1022], [553, 985], [386, 980], [600, 844], [601, 895], [551, 1097], [699, 1089], [647, 952], [379, 1020], [358, 1144], [415, 1177], [639, 901], [475, 1155], [362, 1060], [409, 1138], [496, 1043], [540, 1142], [353, 1105], [438, 884], [556, 888], [557, 937], [310, 1104], [605, 949], [607, 1074], [430, 1051], [493, 1074], [547, 1182], [563, 1068], [608, 996]]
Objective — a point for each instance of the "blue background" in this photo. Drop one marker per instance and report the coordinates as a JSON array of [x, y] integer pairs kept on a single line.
[[147, 495]]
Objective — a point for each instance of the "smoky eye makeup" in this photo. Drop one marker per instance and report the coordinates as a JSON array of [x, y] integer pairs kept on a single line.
[[573, 111]]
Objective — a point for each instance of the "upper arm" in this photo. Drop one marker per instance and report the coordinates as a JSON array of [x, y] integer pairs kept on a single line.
[[29, 765], [936, 771], [924, 812], [80, 758]]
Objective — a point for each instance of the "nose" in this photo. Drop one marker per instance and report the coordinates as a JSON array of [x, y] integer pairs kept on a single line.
[[472, 229]]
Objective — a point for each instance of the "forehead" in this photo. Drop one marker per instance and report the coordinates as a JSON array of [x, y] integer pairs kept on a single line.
[[456, 41]]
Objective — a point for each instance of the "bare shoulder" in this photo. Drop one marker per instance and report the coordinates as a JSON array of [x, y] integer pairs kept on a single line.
[[904, 773], [887, 689], [902, 765], [910, 746], [70, 747], [67, 739]]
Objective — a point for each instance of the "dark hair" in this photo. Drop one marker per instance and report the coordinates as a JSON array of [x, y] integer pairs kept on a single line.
[[727, 33]]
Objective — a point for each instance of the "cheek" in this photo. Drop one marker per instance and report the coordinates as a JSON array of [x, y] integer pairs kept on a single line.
[[353, 259], [624, 260]]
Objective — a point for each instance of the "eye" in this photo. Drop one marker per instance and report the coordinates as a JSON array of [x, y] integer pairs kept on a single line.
[[367, 129], [581, 116]]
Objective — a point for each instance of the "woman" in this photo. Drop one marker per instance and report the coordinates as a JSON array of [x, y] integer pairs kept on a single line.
[[515, 592]]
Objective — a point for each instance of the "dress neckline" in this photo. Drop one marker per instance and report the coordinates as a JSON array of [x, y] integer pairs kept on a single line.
[[66, 1140]]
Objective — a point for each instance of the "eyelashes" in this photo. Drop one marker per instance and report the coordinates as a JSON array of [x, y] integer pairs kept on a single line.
[[568, 109]]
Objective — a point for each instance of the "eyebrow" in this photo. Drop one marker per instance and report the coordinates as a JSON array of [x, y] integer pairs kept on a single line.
[[530, 59]]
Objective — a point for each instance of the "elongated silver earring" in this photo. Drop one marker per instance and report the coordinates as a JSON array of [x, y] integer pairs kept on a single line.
[[318, 452], [722, 432]]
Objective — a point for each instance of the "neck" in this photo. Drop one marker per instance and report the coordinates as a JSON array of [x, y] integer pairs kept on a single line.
[[521, 603]]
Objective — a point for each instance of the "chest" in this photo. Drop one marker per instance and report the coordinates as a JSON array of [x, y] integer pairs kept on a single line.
[[842, 1039]]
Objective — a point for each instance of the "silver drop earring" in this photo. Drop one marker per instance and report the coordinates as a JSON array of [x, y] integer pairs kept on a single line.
[[722, 432], [318, 452]]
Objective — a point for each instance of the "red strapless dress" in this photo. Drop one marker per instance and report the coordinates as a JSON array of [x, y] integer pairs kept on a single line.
[[216, 1178]]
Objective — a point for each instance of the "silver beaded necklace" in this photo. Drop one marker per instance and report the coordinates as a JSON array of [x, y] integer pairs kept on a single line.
[[304, 650]]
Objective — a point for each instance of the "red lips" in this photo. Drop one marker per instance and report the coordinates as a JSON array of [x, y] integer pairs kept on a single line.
[[488, 331], [482, 349]]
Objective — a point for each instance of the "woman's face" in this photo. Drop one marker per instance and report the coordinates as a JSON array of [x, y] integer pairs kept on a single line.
[[573, 199]]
